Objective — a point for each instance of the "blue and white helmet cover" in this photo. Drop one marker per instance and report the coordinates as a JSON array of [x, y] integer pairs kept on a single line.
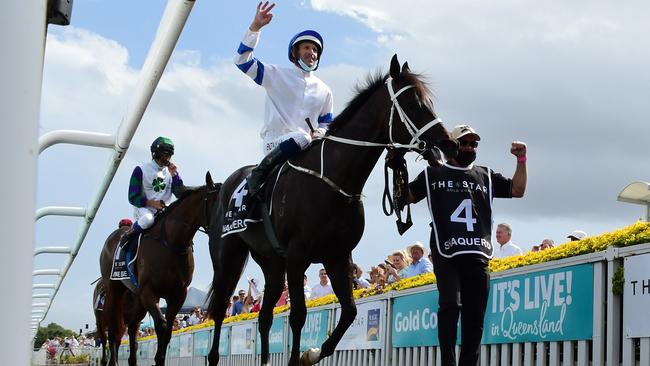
[[306, 35]]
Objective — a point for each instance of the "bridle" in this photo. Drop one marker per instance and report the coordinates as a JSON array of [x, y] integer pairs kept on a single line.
[[411, 128], [415, 144]]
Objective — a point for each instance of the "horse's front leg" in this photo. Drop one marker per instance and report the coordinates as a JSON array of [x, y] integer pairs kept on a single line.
[[340, 274], [296, 267]]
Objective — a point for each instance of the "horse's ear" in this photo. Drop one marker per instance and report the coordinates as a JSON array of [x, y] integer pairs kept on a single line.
[[208, 180], [394, 67], [405, 68]]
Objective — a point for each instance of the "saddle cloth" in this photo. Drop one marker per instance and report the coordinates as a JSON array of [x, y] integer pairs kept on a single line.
[[124, 263], [242, 210], [101, 299]]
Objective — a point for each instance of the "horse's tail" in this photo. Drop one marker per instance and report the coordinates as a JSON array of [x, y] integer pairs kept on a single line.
[[228, 263]]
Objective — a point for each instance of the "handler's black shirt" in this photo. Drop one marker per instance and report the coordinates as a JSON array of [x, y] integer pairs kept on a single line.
[[460, 203]]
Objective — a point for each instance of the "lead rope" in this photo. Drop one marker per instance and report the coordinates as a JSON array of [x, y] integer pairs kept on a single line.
[[400, 191]]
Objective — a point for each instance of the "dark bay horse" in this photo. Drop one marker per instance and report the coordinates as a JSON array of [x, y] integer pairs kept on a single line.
[[316, 206], [164, 268]]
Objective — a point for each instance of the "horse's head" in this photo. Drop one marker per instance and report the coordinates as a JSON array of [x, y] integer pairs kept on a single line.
[[212, 191], [413, 123], [193, 208]]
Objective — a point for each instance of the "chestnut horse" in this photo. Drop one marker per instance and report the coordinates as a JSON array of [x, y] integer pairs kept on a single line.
[[164, 269]]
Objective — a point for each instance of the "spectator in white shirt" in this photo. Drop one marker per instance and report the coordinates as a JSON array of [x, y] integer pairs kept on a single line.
[[323, 287], [504, 236], [196, 317]]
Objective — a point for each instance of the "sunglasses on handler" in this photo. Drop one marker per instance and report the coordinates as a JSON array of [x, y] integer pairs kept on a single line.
[[473, 144]]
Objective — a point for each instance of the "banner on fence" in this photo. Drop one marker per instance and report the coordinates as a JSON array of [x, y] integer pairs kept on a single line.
[[276, 337], [552, 305], [153, 348], [314, 332], [367, 329], [143, 351], [224, 341], [636, 297], [202, 343], [123, 352], [241, 339], [174, 347], [185, 345], [415, 320]]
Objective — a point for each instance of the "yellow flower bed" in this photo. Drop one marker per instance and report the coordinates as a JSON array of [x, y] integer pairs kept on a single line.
[[637, 233]]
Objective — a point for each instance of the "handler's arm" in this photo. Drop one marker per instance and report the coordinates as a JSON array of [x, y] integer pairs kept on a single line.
[[520, 178]]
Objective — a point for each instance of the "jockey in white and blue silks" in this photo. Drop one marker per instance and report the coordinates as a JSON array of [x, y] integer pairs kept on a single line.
[[151, 186], [292, 95]]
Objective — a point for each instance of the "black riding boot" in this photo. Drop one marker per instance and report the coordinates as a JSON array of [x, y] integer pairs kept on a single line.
[[277, 156], [130, 234]]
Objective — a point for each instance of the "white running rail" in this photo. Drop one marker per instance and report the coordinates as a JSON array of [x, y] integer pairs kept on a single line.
[[24, 120]]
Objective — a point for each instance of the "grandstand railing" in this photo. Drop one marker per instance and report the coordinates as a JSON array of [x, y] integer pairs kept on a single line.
[[591, 333]]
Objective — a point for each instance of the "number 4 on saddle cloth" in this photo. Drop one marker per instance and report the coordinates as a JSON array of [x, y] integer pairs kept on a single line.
[[242, 210], [124, 262]]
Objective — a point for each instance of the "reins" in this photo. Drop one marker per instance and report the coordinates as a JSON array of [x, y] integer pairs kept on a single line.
[[414, 144]]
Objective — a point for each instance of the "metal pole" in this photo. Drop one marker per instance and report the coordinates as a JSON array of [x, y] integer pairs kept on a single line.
[[22, 34], [169, 30]]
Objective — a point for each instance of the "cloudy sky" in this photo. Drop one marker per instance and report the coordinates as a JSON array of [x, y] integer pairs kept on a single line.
[[569, 78]]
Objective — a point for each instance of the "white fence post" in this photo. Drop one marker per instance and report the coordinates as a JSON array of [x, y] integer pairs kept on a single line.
[[22, 34], [613, 311]]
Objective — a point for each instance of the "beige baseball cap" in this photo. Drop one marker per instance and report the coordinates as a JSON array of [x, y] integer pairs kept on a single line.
[[463, 130]]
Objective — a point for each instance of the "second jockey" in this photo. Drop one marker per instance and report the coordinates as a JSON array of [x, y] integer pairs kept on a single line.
[[152, 185], [292, 95]]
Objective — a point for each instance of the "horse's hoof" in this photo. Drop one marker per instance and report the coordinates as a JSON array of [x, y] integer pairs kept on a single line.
[[310, 357]]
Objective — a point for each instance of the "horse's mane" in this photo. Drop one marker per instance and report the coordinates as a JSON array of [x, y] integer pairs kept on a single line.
[[184, 193], [373, 83]]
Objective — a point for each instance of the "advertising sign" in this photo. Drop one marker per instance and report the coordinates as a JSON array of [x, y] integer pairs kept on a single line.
[[276, 337], [185, 345], [224, 341], [241, 339], [173, 349], [202, 343], [367, 329], [552, 305], [636, 297], [415, 320]]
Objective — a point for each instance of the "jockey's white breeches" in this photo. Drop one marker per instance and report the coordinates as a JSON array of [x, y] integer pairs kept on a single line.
[[144, 216], [302, 139]]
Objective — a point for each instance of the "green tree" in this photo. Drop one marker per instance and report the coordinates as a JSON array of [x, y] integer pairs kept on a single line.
[[52, 330]]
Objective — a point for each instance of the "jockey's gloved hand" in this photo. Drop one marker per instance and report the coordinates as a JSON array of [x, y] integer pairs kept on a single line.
[[319, 133]]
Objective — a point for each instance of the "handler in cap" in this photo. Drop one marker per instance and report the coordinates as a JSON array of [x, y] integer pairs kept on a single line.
[[460, 195], [292, 95]]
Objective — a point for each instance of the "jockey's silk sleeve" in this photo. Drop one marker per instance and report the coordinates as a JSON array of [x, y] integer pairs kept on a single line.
[[136, 195]]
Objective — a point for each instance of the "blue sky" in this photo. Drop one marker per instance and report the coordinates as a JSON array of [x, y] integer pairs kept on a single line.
[[571, 80]]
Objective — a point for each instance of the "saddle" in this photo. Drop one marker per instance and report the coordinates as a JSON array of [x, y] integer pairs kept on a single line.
[[244, 209]]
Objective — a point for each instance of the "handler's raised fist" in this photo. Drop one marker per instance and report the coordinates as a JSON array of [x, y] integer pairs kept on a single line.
[[518, 148]]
